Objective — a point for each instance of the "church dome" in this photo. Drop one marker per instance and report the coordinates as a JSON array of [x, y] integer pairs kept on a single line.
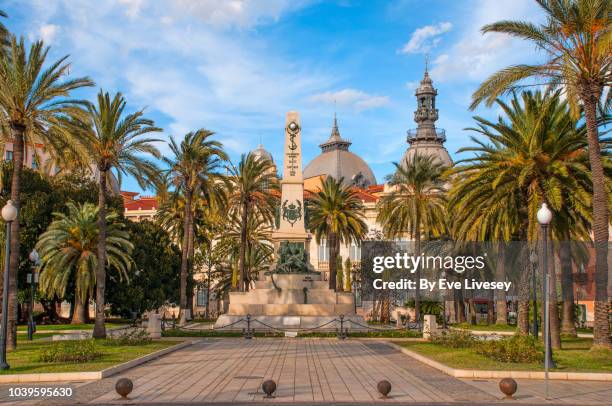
[[337, 161], [261, 152]]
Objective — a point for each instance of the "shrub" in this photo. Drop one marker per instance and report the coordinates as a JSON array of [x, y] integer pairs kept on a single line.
[[454, 339], [518, 348], [71, 351], [134, 337]]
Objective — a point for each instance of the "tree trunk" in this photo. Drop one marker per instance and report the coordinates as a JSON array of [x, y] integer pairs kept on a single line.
[[208, 272], [190, 256], [568, 322], [461, 305], [417, 252], [522, 317], [17, 132], [333, 260], [81, 310], [185, 256], [242, 285], [500, 276], [601, 326], [99, 328], [490, 310]]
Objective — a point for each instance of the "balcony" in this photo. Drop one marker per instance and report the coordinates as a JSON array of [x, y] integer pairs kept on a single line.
[[437, 135]]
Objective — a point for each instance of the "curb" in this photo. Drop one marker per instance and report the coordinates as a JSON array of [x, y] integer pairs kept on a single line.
[[483, 374], [92, 375]]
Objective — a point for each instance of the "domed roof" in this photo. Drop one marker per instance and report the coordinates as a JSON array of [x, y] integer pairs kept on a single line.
[[434, 149], [261, 152], [337, 161]]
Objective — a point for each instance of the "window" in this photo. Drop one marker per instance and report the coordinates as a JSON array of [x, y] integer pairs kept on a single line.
[[201, 297], [34, 163], [323, 251], [9, 155], [355, 252]]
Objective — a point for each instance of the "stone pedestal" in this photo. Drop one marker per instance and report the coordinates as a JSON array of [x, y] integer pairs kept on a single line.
[[154, 325], [430, 326], [291, 302]]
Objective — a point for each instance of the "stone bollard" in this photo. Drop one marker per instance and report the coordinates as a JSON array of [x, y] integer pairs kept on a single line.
[[429, 326], [154, 325]]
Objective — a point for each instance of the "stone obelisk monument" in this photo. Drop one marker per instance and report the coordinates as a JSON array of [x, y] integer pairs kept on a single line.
[[291, 226], [291, 296]]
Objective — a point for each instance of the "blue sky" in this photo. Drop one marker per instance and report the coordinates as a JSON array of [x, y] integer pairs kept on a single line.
[[236, 66]]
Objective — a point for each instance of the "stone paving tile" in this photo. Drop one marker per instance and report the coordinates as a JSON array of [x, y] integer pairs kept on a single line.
[[306, 371]]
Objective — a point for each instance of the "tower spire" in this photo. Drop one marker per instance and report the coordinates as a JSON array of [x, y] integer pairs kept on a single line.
[[427, 63]]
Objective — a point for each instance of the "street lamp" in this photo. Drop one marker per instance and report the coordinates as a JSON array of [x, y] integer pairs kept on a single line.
[[544, 218], [533, 258], [32, 280], [9, 214]]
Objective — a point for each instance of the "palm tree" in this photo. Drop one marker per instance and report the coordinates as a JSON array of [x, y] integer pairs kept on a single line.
[[114, 145], [415, 206], [576, 42], [33, 106], [68, 251], [253, 181], [538, 155], [336, 214], [194, 170]]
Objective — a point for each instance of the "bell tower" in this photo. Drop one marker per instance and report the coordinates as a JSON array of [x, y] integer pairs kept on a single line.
[[426, 138]]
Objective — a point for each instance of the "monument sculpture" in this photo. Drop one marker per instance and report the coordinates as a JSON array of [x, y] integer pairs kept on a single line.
[[291, 295]]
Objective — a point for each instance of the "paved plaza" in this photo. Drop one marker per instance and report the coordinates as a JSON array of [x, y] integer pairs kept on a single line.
[[308, 370]]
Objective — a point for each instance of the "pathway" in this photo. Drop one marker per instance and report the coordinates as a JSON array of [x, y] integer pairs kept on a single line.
[[308, 370]]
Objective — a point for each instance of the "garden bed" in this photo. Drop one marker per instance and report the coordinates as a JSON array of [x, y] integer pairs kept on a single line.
[[576, 356], [26, 359]]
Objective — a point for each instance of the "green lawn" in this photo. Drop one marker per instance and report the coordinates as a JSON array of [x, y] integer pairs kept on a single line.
[[62, 327], [25, 359], [576, 356]]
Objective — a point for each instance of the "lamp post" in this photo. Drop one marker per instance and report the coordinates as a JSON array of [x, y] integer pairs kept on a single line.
[[9, 214], [33, 281], [544, 218], [533, 258]]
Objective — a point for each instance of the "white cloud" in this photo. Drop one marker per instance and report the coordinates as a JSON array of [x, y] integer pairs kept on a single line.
[[351, 97], [425, 38], [474, 56], [48, 33], [133, 7], [240, 13]]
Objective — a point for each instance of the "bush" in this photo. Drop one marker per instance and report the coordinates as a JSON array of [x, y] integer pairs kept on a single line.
[[454, 339], [134, 337], [518, 348], [71, 351]]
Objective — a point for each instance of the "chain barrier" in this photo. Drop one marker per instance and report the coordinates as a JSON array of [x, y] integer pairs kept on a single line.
[[249, 331]]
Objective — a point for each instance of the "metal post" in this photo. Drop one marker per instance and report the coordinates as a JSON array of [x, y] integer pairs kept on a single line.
[[548, 361], [31, 315], [5, 290]]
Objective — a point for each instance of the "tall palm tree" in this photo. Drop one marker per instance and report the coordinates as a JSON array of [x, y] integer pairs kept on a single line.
[[194, 170], [253, 181], [68, 251], [33, 106], [575, 40], [115, 146], [538, 155], [336, 214], [415, 206]]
